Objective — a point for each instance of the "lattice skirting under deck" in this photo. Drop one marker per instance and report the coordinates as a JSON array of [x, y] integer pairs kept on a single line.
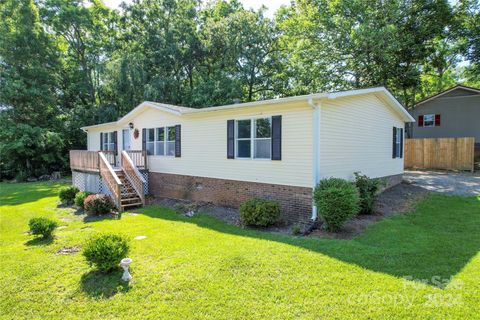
[[93, 182]]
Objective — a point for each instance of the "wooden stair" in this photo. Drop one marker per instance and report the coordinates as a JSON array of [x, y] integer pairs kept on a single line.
[[129, 197]]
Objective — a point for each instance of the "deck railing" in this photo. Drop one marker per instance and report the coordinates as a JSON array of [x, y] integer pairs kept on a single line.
[[111, 157], [133, 175], [111, 180], [138, 157], [84, 160]]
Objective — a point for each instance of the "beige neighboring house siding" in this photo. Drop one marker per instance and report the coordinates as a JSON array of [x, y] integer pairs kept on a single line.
[[356, 135], [204, 145]]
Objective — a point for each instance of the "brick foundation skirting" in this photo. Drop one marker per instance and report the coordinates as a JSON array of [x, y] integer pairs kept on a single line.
[[295, 202]]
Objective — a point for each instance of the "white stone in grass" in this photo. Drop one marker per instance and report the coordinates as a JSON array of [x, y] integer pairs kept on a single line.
[[140, 237]]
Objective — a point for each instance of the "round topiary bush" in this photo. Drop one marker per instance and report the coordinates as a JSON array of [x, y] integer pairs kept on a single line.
[[337, 201], [105, 251], [42, 226], [67, 194], [98, 204], [259, 212], [80, 198]]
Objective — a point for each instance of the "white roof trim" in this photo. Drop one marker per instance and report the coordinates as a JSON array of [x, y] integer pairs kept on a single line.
[[179, 111], [448, 91]]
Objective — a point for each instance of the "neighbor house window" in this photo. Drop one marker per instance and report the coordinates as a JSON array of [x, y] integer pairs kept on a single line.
[[108, 140], [429, 120], [254, 138]]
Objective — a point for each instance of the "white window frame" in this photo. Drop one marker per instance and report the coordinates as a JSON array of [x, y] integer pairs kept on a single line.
[[147, 142], [398, 142], [252, 138], [165, 141], [425, 120], [108, 141]]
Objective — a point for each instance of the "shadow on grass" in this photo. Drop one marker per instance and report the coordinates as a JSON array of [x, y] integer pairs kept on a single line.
[[93, 218], [103, 286], [20, 193], [39, 241], [437, 240]]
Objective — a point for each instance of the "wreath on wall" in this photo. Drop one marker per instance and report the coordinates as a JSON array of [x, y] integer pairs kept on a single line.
[[135, 133]]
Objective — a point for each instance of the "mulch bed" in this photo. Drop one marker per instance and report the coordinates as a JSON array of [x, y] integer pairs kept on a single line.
[[399, 199], [396, 200]]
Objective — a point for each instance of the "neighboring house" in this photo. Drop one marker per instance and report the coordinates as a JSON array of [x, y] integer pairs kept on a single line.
[[276, 149], [450, 114]]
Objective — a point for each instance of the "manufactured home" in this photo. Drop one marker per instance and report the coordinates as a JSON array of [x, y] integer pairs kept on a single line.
[[275, 149]]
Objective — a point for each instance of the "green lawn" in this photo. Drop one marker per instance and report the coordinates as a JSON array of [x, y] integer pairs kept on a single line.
[[202, 268]]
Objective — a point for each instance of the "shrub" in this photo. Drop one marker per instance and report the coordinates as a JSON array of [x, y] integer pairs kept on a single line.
[[296, 230], [105, 251], [80, 198], [98, 204], [67, 194], [336, 201], [42, 226], [367, 189], [259, 212]]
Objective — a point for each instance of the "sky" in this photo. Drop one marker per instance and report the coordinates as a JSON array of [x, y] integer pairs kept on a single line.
[[272, 5]]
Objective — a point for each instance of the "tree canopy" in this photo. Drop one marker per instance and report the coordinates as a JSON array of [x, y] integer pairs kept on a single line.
[[69, 63]]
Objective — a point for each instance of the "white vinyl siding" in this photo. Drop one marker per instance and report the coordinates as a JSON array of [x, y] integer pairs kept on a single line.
[[204, 145], [356, 135]]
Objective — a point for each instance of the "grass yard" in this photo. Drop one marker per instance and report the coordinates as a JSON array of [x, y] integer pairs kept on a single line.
[[202, 268]]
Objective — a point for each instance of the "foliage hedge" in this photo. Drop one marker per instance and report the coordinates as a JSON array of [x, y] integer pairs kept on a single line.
[[67, 194], [337, 201], [259, 212], [105, 251], [80, 198], [42, 226], [98, 204], [367, 189]]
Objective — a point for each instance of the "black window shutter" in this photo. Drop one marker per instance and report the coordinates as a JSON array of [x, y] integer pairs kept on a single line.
[[394, 144], [230, 139], [277, 138], [144, 139], [401, 143], [178, 141], [101, 141], [115, 133]]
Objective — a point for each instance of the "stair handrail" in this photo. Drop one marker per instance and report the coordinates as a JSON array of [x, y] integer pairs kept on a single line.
[[134, 176], [111, 180]]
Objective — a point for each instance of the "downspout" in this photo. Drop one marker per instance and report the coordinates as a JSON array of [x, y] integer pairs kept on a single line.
[[316, 148]]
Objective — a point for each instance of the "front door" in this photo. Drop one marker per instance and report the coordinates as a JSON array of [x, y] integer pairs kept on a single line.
[[126, 139]]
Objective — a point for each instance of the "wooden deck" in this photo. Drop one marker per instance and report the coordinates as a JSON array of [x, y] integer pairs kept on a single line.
[[89, 161]]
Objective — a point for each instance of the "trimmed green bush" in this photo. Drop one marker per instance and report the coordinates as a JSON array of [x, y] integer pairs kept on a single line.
[[67, 194], [98, 204], [105, 251], [42, 226], [80, 198], [367, 189], [337, 201], [259, 212]]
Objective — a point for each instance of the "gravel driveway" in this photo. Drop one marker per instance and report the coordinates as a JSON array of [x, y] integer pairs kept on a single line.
[[455, 183]]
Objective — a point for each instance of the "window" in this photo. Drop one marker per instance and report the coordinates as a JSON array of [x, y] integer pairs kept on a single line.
[[429, 120], [150, 141], [398, 143], [160, 141], [170, 141], [108, 140], [254, 138]]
